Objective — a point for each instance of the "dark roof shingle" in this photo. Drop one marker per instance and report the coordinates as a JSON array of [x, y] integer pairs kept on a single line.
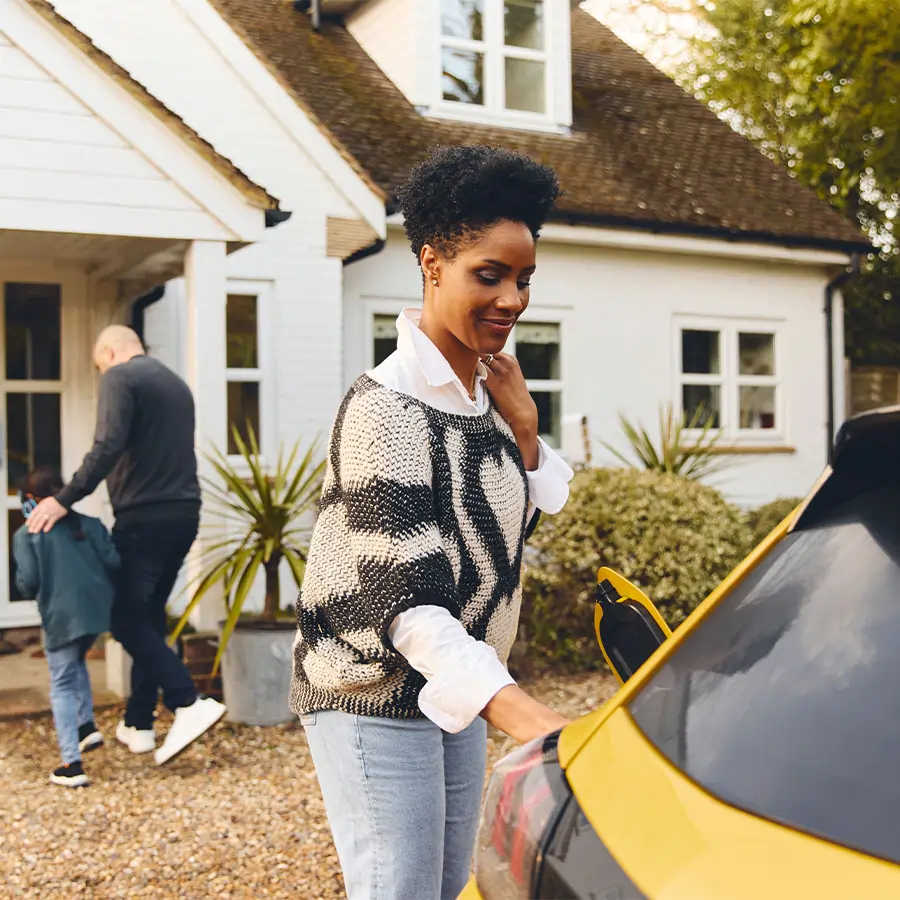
[[641, 153]]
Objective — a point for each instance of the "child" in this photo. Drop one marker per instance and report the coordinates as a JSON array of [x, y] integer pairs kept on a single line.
[[68, 571]]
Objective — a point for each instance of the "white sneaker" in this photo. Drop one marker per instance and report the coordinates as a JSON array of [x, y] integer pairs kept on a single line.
[[190, 722], [136, 741]]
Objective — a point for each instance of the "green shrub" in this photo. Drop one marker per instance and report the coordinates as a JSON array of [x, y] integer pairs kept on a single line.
[[761, 521], [673, 537]]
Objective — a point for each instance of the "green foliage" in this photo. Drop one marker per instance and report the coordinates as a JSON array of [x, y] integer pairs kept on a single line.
[[263, 523], [872, 312], [672, 536], [681, 451], [816, 85], [764, 519]]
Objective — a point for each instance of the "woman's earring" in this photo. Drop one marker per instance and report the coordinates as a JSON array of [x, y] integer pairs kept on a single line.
[[434, 281]]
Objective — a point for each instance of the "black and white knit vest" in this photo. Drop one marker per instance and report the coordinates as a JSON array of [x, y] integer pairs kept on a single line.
[[419, 508]]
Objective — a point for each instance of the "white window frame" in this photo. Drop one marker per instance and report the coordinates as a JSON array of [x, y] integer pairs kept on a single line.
[[548, 316], [495, 53], [729, 380], [264, 373], [380, 307]]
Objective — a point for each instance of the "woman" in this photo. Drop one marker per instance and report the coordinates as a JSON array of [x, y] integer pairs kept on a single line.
[[410, 601]]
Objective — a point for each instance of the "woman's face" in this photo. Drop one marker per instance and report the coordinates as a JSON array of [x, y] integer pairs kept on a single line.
[[484, 289]]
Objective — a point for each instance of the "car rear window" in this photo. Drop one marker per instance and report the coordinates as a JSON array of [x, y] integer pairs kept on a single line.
[[785, 700]]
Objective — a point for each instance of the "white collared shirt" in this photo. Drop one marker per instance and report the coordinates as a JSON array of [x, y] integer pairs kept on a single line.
[[463, 674]]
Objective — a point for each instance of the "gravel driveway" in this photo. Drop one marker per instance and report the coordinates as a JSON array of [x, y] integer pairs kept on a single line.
[[238, 815]]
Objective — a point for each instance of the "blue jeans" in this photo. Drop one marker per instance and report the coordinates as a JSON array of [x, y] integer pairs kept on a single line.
[[402, 799], [70, 694]]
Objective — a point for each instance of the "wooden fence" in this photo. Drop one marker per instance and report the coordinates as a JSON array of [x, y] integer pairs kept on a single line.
[[869, 387]]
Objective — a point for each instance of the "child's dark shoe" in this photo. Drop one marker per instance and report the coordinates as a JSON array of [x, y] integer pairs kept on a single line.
[[71, 776], [88, 737]]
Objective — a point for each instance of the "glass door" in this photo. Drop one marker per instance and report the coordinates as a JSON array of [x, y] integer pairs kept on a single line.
[[30, 413]]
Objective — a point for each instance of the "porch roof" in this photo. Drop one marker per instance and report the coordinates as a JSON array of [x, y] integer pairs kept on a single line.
[[256, 195], [95, 170]]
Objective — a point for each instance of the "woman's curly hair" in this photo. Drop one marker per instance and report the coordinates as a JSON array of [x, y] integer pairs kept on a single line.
[[457, 193]]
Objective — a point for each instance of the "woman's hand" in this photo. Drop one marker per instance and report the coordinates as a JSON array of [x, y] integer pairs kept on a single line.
[[523, 718], [509, 392]]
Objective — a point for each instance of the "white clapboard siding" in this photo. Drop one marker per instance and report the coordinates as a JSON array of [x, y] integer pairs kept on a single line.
[[66, 157], [15, 64], [57, 154], [44, 126], [23, 92], [70, 187]]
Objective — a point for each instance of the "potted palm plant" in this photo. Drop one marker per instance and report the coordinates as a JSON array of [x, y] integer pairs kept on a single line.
[[263, 521]]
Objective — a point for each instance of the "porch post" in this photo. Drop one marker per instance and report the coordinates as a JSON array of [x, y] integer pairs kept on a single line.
[[204, 279]]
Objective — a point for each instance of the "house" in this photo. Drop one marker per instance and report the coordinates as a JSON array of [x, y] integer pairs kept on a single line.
[[104, 193], [681, 266]]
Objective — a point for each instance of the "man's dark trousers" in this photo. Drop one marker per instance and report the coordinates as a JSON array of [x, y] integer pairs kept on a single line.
[[152, 555]]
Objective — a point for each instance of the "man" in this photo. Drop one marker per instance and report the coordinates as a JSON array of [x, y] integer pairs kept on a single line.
[[144, 448]]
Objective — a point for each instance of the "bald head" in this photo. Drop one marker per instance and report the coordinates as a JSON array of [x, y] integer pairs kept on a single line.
[[116, 345]]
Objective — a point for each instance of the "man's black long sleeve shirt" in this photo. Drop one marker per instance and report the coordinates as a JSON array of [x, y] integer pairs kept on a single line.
[[143, 444]]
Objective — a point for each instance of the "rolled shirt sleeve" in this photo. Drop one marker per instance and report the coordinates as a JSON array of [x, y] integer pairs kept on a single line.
[[463, 675]]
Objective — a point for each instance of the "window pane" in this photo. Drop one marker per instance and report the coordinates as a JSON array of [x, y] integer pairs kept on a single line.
[[463, 19], [33, 331], [524, 24], [700, 352], [537, 349], [463, 79], [242, 332], [15, 520], [757, 353], [384, 338], [32, 435], [549, 416], [701, 401], [243, 410], [757, 405], [525, 85]]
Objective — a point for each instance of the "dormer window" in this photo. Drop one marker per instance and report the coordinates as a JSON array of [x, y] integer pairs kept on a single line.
[[494, 56]]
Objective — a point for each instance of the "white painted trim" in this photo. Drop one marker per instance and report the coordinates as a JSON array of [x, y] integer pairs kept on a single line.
[[204, 294], [283, 107], [54, 216], [494, 50], [267, 365], [137, 126], [379, 306], [627, 239], [480, 115], [562, 317], [729, 381]]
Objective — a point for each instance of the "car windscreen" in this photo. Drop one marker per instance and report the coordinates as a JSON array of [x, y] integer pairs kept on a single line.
[[785, 700]]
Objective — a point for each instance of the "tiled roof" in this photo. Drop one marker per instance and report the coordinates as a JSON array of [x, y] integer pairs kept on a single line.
[[253, 192], [641, 152]]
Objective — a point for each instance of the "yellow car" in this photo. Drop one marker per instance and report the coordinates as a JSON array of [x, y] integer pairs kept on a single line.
[[755, 753]]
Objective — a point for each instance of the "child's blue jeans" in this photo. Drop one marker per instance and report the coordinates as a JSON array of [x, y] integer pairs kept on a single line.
[[70, 694]]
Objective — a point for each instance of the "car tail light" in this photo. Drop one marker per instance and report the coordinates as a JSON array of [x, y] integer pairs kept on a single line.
[[525, 796]]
